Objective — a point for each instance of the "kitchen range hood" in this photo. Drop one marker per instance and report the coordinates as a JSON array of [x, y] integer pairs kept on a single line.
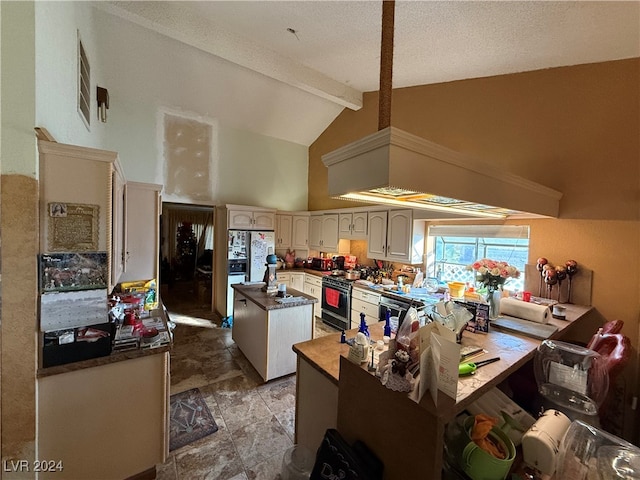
[[394, 167]]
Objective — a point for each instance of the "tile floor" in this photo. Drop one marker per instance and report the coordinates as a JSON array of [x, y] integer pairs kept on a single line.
[[255, 419]]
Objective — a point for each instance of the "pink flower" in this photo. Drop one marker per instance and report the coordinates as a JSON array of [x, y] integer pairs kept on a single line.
[[476, 265]]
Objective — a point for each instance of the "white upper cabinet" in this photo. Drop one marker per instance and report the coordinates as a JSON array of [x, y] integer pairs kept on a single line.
[[377, 244], [143, 231], [284, 225], [399, 235], [390, 235], [315, 231], [323, 232], [353, 225], [300, 232], [249, 218]]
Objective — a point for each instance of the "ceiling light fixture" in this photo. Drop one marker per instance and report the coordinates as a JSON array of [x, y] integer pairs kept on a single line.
[[376, 167]]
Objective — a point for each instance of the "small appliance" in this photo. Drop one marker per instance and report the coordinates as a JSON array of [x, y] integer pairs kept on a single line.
[[323, 264]]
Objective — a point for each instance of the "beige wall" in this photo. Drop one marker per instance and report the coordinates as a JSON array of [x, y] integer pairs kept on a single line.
[[574, 129]]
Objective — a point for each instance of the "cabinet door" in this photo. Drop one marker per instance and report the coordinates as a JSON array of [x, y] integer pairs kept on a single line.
[[330, 232], [315, 231], [300, 232], [240, 219], [399, 235], [118, 227], [282, 277], [377, 244], [264, 221], [284, 224], [345, 225], [313, 287], [143, 230], [297, 281], [359, 225]]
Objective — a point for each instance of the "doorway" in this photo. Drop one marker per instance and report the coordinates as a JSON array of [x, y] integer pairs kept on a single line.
[[186, 254]]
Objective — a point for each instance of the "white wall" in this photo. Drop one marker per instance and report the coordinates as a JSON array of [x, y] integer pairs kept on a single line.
[[57, 24], [147, 73]]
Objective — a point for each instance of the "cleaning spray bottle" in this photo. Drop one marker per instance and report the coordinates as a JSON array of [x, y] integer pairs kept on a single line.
[[363, 326], [387, 324]]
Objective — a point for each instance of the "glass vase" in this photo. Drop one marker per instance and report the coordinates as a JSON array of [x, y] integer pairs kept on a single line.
[[493, 299]]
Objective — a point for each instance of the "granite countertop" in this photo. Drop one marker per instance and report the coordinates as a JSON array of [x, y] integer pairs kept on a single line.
[[269, 302], [98, 361], [317, 273]]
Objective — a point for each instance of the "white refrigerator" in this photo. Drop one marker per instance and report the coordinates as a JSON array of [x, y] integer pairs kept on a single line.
[[261, 244]]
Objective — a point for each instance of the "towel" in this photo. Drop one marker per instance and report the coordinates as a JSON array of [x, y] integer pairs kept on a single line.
[[333, 297], [480, 434]]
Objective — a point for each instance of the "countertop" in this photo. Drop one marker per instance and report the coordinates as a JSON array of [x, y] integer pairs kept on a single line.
[[514, 349], [268, 302], [324, 353], [113, 357]]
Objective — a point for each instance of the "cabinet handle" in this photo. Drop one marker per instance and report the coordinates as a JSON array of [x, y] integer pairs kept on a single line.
[[243, 300]]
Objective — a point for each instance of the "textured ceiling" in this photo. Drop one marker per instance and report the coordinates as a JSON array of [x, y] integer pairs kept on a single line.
[[434, 41], [334, 50]]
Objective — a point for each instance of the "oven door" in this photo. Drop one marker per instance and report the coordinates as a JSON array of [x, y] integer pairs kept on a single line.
[[336, 307], [397, 309]]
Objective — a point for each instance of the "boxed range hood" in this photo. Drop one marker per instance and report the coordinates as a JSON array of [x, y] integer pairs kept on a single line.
[[394, 167]]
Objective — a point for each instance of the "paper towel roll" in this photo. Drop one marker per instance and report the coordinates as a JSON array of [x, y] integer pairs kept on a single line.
[[525, 310]]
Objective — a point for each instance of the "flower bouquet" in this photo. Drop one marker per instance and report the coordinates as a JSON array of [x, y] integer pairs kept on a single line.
[[491, 275]]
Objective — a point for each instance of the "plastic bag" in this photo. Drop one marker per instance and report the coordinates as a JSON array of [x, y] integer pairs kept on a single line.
[[407, 336], [452, 316]]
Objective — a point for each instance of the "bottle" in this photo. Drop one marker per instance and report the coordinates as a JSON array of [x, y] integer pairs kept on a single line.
[[343, 337], [387, 324], [363, 326]]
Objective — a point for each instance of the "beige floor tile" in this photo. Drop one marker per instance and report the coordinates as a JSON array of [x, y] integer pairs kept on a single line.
[[255, 419], [280, 394], [215, 458], [269, 469], [258, 441]]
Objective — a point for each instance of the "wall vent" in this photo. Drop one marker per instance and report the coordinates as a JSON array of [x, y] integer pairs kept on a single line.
[[84, 84]]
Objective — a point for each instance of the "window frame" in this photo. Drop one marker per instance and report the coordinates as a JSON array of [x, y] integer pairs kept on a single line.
[[483, 238]]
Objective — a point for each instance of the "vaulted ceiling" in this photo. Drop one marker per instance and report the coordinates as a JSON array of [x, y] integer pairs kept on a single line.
[[331, 49]]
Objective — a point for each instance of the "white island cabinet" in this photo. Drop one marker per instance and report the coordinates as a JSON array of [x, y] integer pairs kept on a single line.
[[265, 330]]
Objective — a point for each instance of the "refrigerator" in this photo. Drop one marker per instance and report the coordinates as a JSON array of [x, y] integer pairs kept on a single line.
[[261, 244], [252, 248]]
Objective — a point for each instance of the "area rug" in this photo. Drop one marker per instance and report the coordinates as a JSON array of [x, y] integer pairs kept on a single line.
[[190, 419]]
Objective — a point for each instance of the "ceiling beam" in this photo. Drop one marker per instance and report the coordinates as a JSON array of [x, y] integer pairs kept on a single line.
[[185, 26]]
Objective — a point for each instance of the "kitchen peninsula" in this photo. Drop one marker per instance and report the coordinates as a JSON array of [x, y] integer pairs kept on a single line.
[[408, 436], [265, 327]]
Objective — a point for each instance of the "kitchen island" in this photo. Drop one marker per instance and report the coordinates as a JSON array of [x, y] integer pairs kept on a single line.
[[265, 327], [406, 434]]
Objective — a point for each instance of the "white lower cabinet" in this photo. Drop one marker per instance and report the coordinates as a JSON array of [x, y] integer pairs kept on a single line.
[[92, 419], [313, 286], [366, 302], [297, 281], [283, 277]]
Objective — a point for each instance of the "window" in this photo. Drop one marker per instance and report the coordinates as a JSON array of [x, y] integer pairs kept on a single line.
[[451, 248], [84, 84]]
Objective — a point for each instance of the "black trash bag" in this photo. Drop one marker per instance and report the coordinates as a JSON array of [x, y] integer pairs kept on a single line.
[[337, 459]]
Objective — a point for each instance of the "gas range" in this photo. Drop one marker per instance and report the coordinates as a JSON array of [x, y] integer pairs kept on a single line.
[[337, 280]]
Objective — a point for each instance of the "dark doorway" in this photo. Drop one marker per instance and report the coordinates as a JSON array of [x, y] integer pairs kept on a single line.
[[186, 253]]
